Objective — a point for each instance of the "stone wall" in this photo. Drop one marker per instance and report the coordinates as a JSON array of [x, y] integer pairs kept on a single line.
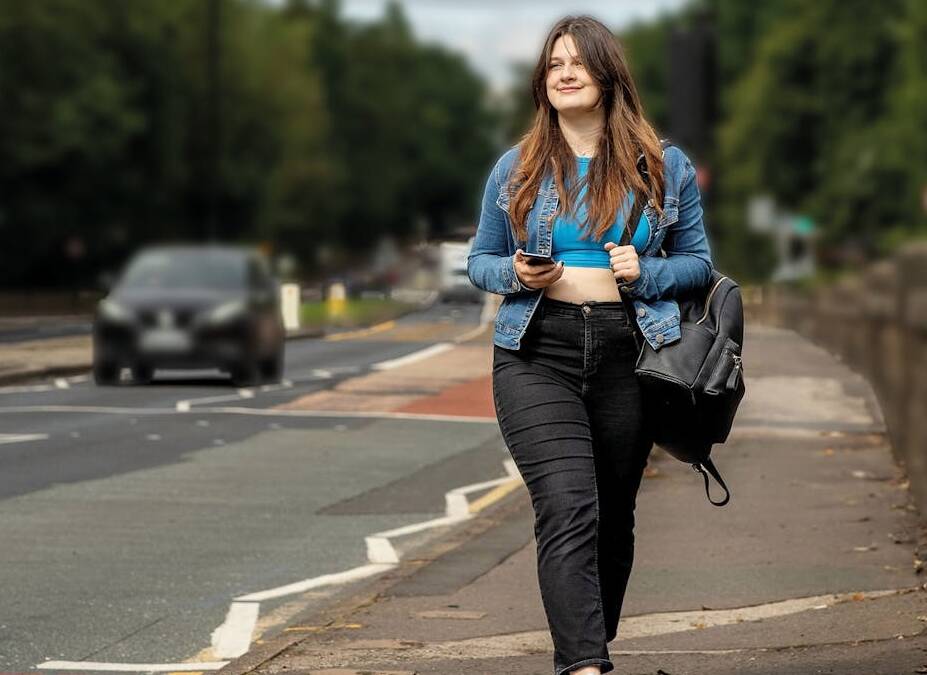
[[876, 322]]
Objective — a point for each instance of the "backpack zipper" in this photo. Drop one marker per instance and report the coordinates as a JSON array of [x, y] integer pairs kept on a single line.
[[708, 299]]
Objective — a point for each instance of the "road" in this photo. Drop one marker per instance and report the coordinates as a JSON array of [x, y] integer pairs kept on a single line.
[[132, 516]]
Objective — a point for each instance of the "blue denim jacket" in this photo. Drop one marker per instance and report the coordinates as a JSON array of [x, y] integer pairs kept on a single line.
[[676, 258]]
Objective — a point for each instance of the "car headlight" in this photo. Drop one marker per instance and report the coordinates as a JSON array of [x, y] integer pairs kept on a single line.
[[226, 311], [114, 311]]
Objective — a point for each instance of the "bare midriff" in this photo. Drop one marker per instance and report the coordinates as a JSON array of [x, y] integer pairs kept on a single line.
[[582, 284]]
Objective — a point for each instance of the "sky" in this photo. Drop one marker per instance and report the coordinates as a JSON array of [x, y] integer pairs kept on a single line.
[[496, 33]]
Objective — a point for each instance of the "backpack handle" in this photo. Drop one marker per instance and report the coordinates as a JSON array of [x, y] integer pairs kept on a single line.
[[710, 465]]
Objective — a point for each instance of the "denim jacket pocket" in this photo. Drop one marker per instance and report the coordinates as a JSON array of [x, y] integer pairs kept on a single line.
[[502, 201], [670, 214]]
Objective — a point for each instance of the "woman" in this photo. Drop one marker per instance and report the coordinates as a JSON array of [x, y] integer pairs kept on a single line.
[[566, 396]]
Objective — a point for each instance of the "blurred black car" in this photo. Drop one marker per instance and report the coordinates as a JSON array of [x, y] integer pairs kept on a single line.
[[191, 307]]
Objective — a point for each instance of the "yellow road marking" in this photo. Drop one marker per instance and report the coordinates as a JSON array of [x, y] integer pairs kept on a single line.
[[362, 332], [494, 495]]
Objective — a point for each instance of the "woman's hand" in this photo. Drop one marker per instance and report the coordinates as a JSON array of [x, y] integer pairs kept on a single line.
[[624, 261], [537, 275]]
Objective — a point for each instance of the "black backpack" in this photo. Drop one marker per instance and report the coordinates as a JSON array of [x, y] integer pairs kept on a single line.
[[692, 387]]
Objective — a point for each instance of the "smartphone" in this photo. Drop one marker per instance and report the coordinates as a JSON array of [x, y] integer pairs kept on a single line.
[[537, 258]]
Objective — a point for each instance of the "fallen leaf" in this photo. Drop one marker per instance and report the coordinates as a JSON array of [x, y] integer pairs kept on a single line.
[[863, 549]]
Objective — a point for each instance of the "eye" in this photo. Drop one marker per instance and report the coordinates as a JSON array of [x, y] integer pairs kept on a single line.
[[555, 65]]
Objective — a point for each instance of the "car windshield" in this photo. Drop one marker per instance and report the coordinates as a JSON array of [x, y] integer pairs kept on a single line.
[[213, 270]]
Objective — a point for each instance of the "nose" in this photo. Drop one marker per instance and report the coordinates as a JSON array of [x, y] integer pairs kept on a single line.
[[566, 73]]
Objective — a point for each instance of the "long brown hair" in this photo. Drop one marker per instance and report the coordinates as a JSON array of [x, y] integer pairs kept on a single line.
[[613, 171]]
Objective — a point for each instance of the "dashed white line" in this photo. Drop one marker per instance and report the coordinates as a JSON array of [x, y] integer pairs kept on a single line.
[[414, 356], [186, 404], [21, 438]]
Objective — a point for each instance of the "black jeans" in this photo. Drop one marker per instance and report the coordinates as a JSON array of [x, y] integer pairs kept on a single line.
[[569, 408]]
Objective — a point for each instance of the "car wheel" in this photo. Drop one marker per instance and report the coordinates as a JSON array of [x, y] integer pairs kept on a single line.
[[245, 374], [272, 368], [142, 374], [105, 373]]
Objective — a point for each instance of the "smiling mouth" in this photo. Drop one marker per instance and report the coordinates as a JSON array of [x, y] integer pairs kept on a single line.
[[569, 89]]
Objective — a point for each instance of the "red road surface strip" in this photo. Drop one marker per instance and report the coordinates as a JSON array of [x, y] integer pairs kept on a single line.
[[470, 399]]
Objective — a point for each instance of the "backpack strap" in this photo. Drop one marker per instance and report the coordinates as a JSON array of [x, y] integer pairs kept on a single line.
[[710, 465]]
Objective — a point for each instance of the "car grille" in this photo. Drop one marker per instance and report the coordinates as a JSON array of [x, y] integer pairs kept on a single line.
[[164, 318]]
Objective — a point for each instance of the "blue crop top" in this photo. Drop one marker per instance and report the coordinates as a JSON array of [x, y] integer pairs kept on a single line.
[[566, 244]]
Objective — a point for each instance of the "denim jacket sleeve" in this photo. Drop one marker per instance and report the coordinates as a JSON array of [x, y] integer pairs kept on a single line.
[[491, 264], [687, 264]]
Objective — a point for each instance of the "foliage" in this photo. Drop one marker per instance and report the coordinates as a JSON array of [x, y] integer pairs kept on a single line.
[[122, 125]]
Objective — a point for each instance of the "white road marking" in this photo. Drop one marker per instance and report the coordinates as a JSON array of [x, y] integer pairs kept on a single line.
[[21, 438], [62, 383], [284, 384], [381, 550], [352, 574], [231, 410], [233, 637], [26, 388], [456, 503], [348, 414], [414, 356], [470, 334], [132, 667], [186, 404], [381, 555]]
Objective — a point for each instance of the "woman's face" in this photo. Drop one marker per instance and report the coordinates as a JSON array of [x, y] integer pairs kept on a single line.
[[570, 88]]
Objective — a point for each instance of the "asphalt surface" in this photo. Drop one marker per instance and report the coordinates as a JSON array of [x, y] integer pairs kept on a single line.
[[131, 516]]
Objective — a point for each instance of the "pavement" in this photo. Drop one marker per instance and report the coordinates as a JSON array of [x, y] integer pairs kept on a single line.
[[811, 568]]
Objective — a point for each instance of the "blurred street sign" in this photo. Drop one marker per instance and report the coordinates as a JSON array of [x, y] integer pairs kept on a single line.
[[803, 225], [761, 210]]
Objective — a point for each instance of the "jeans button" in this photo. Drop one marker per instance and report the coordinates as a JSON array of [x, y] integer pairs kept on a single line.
[[586, 309], [641, 311]]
